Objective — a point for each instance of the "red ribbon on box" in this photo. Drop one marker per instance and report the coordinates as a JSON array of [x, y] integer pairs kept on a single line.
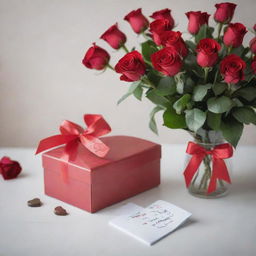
[[219, 169], [72, 134]]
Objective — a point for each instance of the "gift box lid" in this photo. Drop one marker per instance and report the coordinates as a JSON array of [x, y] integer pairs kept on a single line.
[[122, 148]]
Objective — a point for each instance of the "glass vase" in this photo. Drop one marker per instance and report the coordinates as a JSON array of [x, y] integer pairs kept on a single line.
[[201, 179]]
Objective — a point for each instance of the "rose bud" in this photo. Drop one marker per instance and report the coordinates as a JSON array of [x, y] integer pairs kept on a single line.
[[232, 68], [253, 45], [9, 169], [137, 20], [234, 35], [196, 20], [157, 27], [224, 12], [253, 64], [131, 66], [207, 52], [96, 58], [114, 37], [167, 61], [163, 14], [173, 38]]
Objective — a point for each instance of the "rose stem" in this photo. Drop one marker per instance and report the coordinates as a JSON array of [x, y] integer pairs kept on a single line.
[[125, 48], [206, 72], [109, 66], [219, 30]]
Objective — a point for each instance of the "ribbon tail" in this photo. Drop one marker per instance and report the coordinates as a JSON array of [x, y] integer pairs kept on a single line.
[[95, 145], [219, 171], [54, 141], [192, 168]]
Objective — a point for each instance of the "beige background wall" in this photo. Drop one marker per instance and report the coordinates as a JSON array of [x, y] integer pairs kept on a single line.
[[43, 82]]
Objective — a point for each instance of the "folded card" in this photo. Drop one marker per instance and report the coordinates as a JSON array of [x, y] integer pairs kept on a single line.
[[152, 223]]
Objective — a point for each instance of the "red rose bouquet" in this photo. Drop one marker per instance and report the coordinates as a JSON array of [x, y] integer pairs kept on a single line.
[[205, 85]]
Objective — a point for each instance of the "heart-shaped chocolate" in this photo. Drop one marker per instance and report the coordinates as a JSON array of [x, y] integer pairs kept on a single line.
[[60, 211], [36, 202]]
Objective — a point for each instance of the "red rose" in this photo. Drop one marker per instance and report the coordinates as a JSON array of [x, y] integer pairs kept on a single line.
[[173, 38], [253, 65], [224, 12], [131, 66], [234, 34], [114, 37], [232, 68], [157, 27], [137, 20], [164, 14], [167, 61], [207, 52], [253, 45], [96, 58], [196, 20], [9, 169]]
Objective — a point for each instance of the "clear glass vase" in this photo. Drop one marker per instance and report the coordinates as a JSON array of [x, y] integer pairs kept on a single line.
[[200, 182]]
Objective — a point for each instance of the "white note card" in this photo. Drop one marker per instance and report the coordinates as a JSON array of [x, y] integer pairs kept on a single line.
[[152, 223]]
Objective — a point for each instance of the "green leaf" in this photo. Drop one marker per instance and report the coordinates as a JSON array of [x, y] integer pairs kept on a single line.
[[190, 45], [147, 49], [180, 87], [138, 92], [195, 119], [200, 91], [244, 115], [131, 89], [219, 88], [157, 99], [248, 93], [219, 104], [232, 130], [166, 86], [152, 121], [213, 120], [173, 120], [153, 76], [181, 103], [202, 33], [237, 102]]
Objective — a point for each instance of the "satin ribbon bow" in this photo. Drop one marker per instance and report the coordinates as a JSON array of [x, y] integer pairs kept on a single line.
[[219, 168], [73, 134]]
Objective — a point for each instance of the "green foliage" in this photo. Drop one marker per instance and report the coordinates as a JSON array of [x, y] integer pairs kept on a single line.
[[248, 93], [173, 120], [131, 90], [147, 49], [204, 32], [219, 88], [244, 115], [200, 91], [213, 120], [181, 103], [166, 86], [219, 104], [232, 130], [195, 119], [157, 99], [152, 121], [138, 92]]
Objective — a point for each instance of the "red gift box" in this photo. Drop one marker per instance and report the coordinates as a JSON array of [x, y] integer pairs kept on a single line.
[[89, 182]]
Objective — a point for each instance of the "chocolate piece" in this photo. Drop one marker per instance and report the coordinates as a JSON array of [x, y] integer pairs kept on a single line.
[[60, 211], [36, 202]]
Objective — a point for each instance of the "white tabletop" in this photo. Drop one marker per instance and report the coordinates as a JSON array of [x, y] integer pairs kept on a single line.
[[224, 226]]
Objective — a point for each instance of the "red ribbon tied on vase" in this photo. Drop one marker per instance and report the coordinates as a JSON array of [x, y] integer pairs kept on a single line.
[[219, 168], [72, 134]]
